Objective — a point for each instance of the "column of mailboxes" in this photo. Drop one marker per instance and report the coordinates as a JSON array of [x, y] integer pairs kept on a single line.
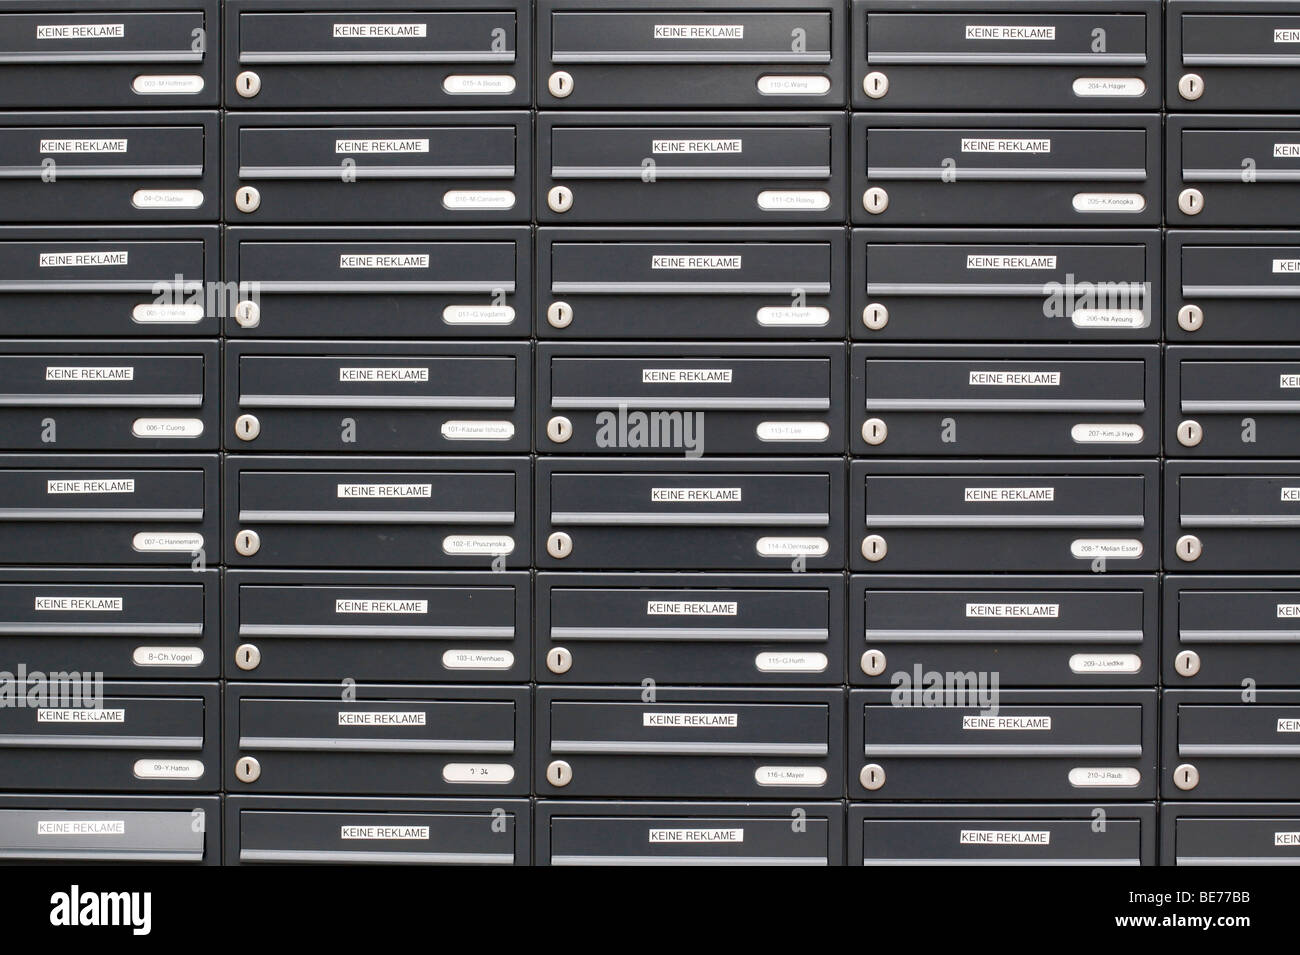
[[377, 426], [1231, 708], [1005, 430], [691, 385], [108, 432]]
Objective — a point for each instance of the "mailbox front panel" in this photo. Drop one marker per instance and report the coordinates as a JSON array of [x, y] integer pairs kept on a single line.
[[438, 628], [341, 830], [1234, 516], [1220, 631], [1077, 631], [1232, 287], [1232, 402], [689, 834], [1232, 170], [655, 284], [110, 830], [377, 397], [1218, 747], [385, 740], [689, 742], [690, 628], [991, 400], [1079, 745], [1237, 56], [1006, 516], [1237, 834], [1013, 285]]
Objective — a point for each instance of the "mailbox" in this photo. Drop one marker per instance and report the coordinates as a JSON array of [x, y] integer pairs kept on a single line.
[[1231, 402], [1222, 631], [1221, 834], [1231, 516], [1236, 287], [110, 830], [1217, 745], [1232, 170], [1235, 56]]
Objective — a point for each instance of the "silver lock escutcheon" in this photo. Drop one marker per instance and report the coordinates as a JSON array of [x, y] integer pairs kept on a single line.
[[872, 776], [560, 199], [248, 84], [560, 84], [247, 769], [1188, 663], [874, 431], [559, 773], [875, 316], [559, 545], [875, 84], [1191, 202], [1191, 86], [872, 662], [247, 198], [247, 656], [874, 547], [248, 314], [875, 200], [1187, 777], [559, 314], [1188, 548], [559, 429], [248, 543], [247, 427], [1191, 318], [559, 660], [1190, 433]]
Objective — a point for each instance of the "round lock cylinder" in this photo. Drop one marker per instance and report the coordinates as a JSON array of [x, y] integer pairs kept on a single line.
[[560, 199], [875, 84], [248, 314], [247, 769], [874, 547], [1188, 663], [1191, 87], [1191, 318], [559, 429], [874, 431], [1187, 777], [872, 663], [1190, 433], [872, 776], [560, 84], [1188, 548], [247, 656], [247, 198], [1191, 202], [247, 427], [559, 545], [875, 200], [559, 773], [248, 543], [559, 660], [559, 314], [875, 316], [248, 84]]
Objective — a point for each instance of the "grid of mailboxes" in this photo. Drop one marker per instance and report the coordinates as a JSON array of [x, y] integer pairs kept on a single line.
[[588, 432]]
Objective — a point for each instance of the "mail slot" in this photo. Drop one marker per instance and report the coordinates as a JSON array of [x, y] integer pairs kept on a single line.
[[1221, 631], [1231, 402], [657, 284], [953, 740], [123, 55], [1237, 516], [375, 397], [125, 624], [690, 628], [457, 282], [771, 53], [108, 396], [378, 740], [999, 835], [1232, 170], [109, 167], [453, 627], [340, 830], [377, 54], [685, 833], [1013, 169], [645, 514], [1237, 834], [110, 830], [690, 400], [1218, 746], [944, 285], [1056, 54], [1005, 516], [1235, 287], [985, 400], [104, 509], [74, 732], [462, 512], [720, 168], [334, 168], [85, 281], [689, 742], [1234, 56], [1077, 631]]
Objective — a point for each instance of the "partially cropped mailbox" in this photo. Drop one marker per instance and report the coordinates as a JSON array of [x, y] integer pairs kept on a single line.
[[121, 55], [691, 283], [1232, 54], [417, 168], [105, 509], [734, 53], [1231, 402], [1236, 286], [93, 830], [1232, 515], [1219, 834], [108, 281], [1013, 744], [642, 514], [708, 168], [109, 167], [306, 625], [340, 830], [702, 628], [963, 285], [455, 282], [378, 397], [1079, 631], [989, 400], [108, 396], [1217, 746], [376, 54], [999, 835], [696, 834], [969, 54], [690, 742], [1232, 170], [732, 399], [462, 512], [113, 737], [1006, 169], [125, 624], [1223, 631], [377, 740], [982, 516]]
